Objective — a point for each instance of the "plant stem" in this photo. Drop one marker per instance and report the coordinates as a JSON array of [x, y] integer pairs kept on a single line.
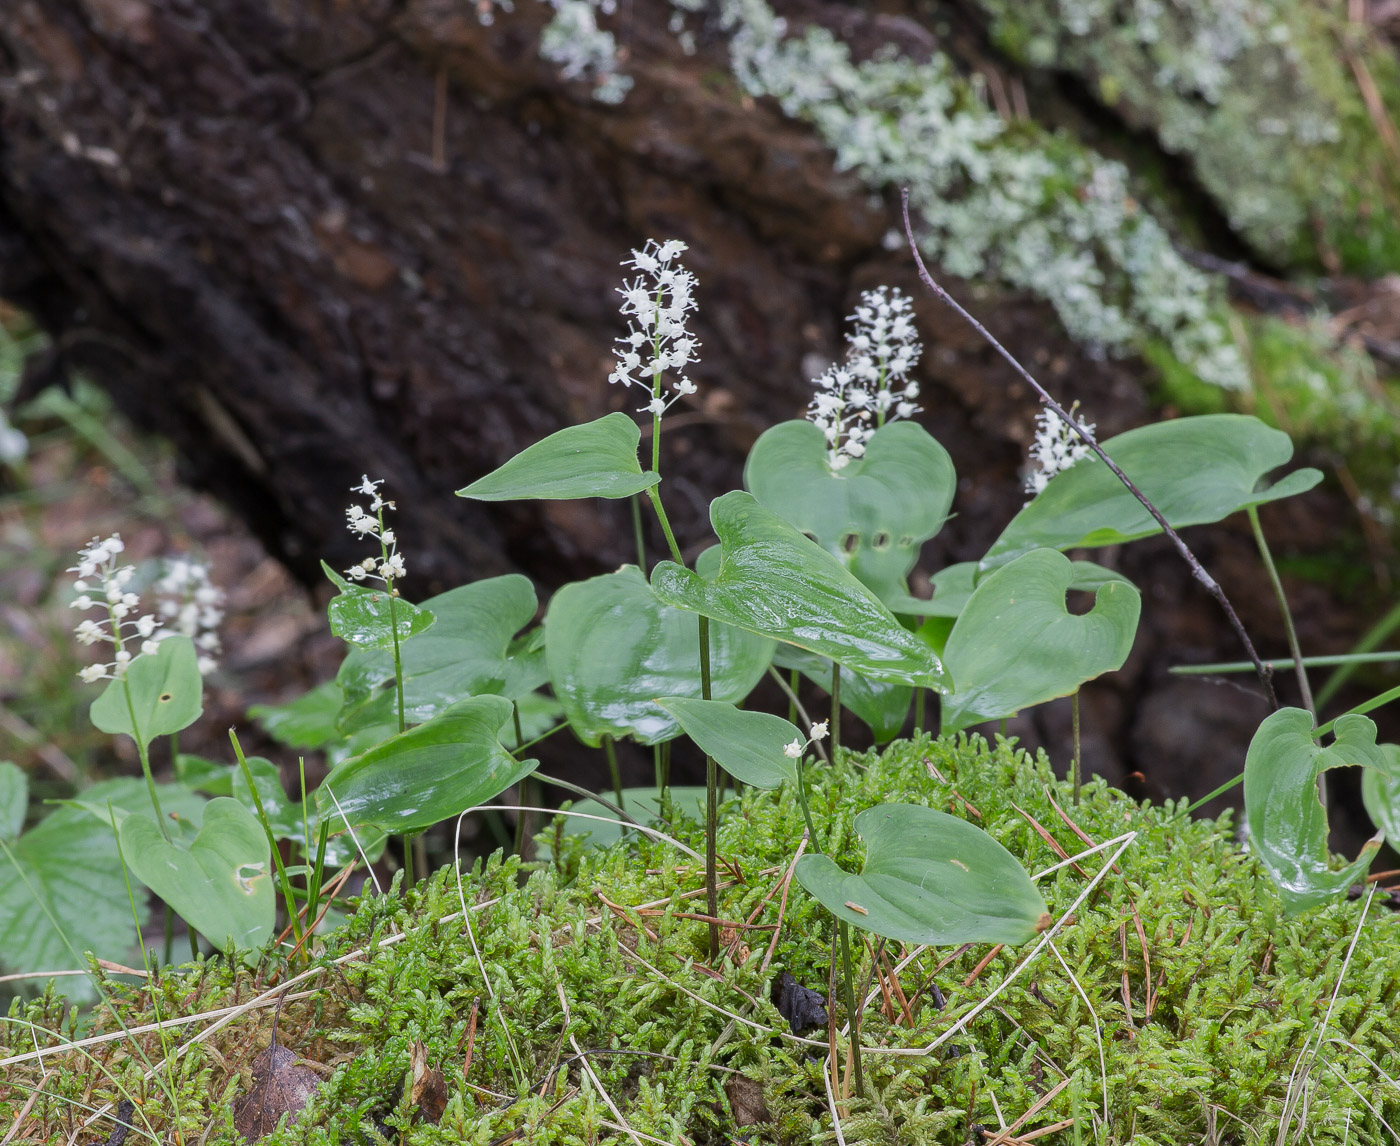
[[835, 709], [665, 526], [1374, 636], [406, 842], [1197, 569], [1375, 702], [852, 1018], [286, 884], [636, 504], [168, 954], [806, 808], [711, 801], [611, 750], [1076, 767], [666, 765], [143, 749], [398, 661], [920, 696], [794, 679], [1293, 647]]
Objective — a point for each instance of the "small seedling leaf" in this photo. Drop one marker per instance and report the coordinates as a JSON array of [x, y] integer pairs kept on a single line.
[[1015, 644], [775, 582], [612, 648], [875, 513], [596, 459], [929, 878], [221, 886], [166, 694], [368, 617], [429, 773], [1194, 470], [1287, 822], [747, 745]]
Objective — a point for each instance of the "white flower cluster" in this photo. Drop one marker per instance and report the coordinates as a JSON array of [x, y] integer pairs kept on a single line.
[[191, 603], [873, 384], [193, 607], [795, 750], [1056, 447], [388, 566], [656, 304]]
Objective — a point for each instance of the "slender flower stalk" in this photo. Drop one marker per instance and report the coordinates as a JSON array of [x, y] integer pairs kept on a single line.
[[388, 567]]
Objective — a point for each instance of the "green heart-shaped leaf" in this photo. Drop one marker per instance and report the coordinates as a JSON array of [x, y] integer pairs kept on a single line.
[[875, 513], [368, 617], [468, 652], [429, 773], [613, 648], [221, 886], [1015, 644], [883, 706], [166, 694], [747, 745], [1380, 792], [14, 799], [1287, 822], [929, 878], [1194, 470], [308, 722], [775, 582], [597, 459], [953, 585]]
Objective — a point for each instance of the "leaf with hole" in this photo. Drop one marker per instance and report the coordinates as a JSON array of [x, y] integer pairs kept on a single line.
[[747, 745], [165, 690], [468, 652], [929, 878], [1194, 470], [1016, 644], [429, 773], [369, 617], [596, 459], [775, 582], [874, 514], [612, 648], [221, 886], [1287, 822]]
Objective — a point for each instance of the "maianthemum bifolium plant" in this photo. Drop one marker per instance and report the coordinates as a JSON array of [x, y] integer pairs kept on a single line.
[[430, 714]]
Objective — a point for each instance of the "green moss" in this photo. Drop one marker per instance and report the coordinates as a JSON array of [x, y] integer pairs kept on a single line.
[[1236, 989], [1257, 94]]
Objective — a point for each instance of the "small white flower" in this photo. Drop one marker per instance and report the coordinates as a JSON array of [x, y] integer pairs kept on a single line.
[[206, 665], [819, 730], [88, 632], [92, 673], [389, 565], [793, 751], [149, 647], [356, 573], [146, 625], [367, 487], [83, 602], [80, 587]]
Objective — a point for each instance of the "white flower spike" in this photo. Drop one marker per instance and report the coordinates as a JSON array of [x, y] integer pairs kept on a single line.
[[657, 342], [872, 387], [1056, 447], [389, 565]]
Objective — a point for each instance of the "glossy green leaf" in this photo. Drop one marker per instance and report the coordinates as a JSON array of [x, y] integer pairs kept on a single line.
[[874, 514], [1194, 470], [285, 815], [643, 805], [69, 860], [929, 878], [368, 617], [1015, 644], [775, 582], [307, 722], [14, 800], [114, 801], [1380, 792], [200, 774], [166, 694], [221, 886], [597, 459], [1287, 822], [883, 706], [954, 584], [428, 773], [613, 648], [468, 652], [747, 745]]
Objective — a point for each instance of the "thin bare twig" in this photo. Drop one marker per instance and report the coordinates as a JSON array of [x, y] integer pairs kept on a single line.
[[1197, 569]]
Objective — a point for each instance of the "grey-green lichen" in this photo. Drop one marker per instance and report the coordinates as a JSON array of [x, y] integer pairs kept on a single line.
[[1265, 99], [1208, 1005]]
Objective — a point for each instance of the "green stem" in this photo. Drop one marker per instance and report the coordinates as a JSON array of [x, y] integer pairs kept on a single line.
[[851, 1017], [636, 503], [1075, 765], [813, 842], [1346, 660], [665, 765], [406, 843], [143, 750], [613, 769], [1293, 646], [1374, 636], [398, 660], [835, 709], [711, 801], [794, 680], [665, 526], [1375, 702], [168, 952], [523, 821], [920, 695], [282, 879]]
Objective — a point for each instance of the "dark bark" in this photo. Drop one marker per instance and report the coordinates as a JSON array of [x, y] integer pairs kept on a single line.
[[306, 240]]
